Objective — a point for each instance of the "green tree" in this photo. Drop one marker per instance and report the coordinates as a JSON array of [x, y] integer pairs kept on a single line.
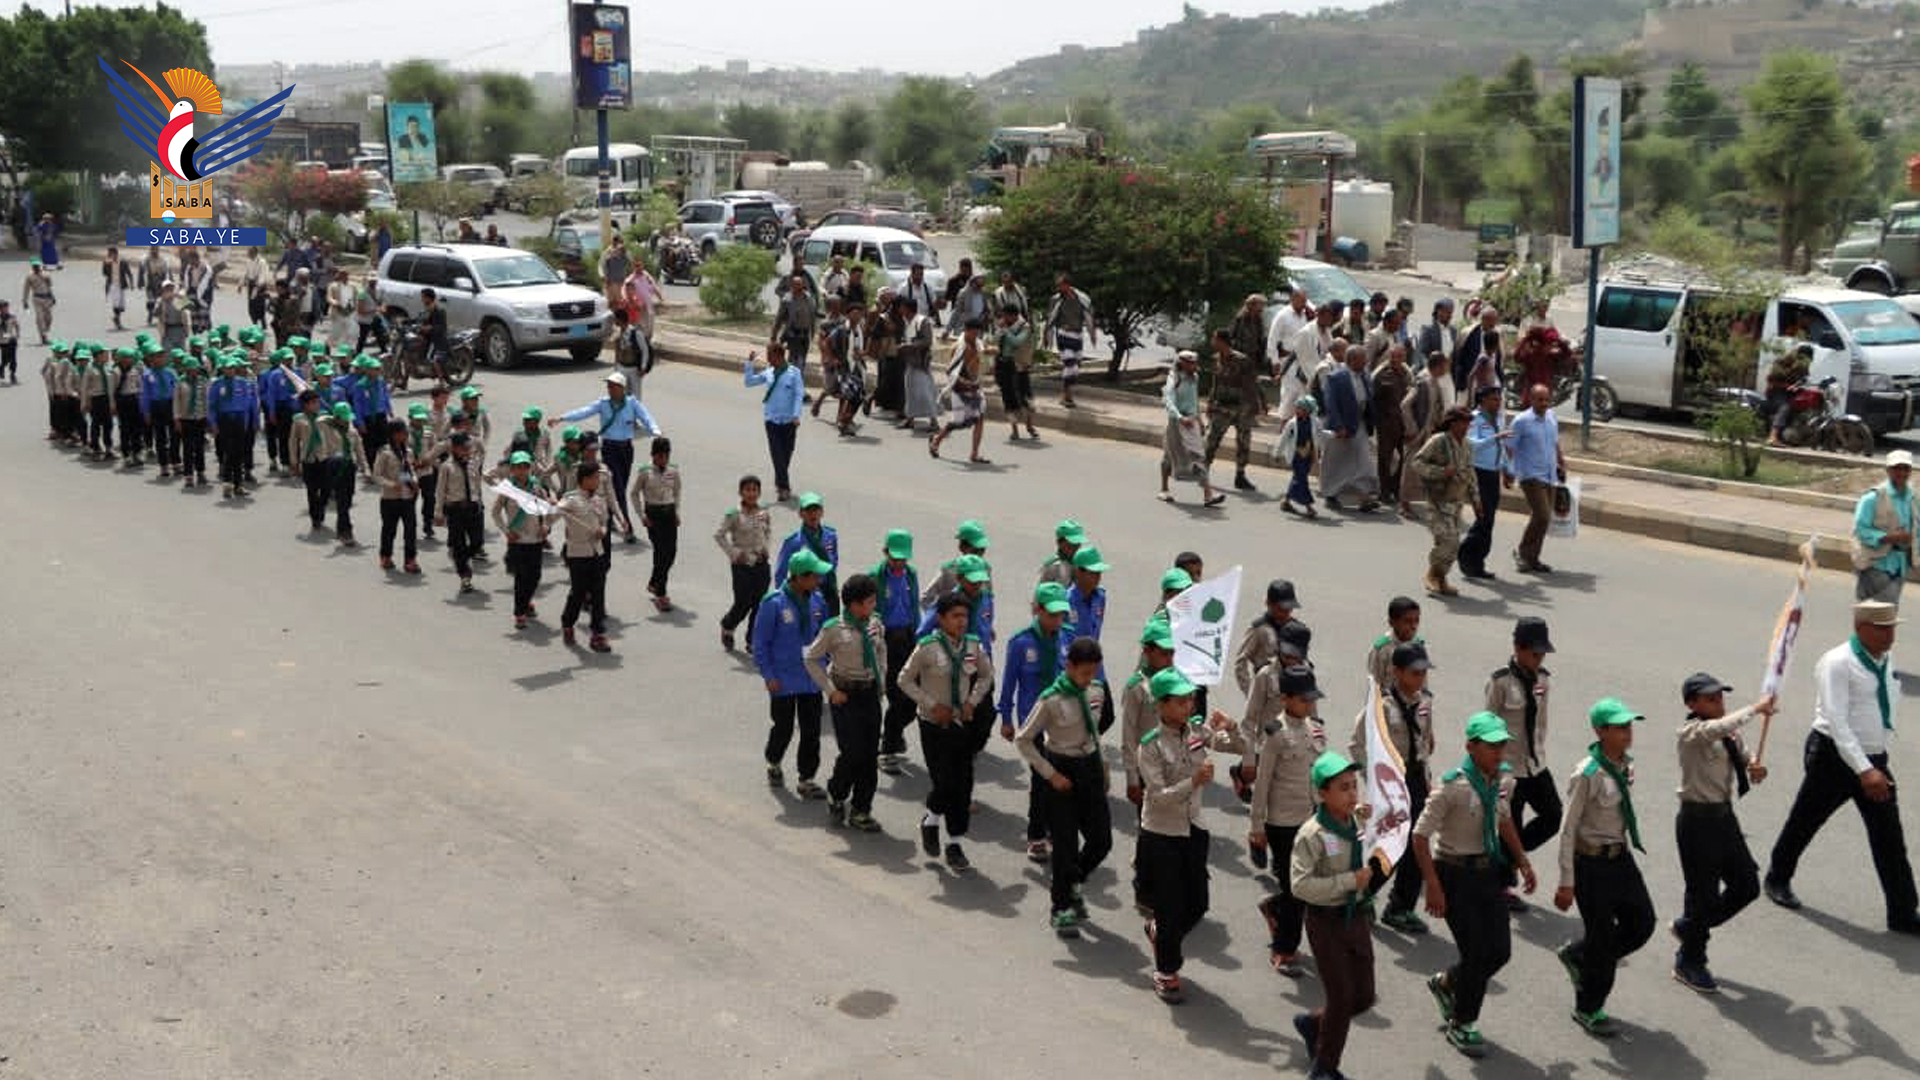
[[1800, 148], [1514, 97], [1657, 172], [931, 130], [441, 201], [506, 116], [1228, 131], [853, 133], [423, 80], [765, 127], [732, 281], [812, 134], [1694, 110], [1142, 242], [56, 109], [1099, 114]]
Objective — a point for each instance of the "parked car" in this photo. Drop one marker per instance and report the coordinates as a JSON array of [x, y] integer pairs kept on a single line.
[[789, 213], [1884, 262], [1323, 282], [858, 215], [576, 245], [516, 302], [894, 251], [488, 180], [528, 165], [712, 223]]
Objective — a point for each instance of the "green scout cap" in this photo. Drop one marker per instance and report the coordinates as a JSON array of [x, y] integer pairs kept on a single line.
[[1088, 559], [298, 342], [1305, 401], [1487, 728], [1052, 597], [469, 393], [342, 351], [899, 544], [322, 371], [60, 346], [1168, 682], [520, 457], [1176, 578], [148, 347], [806, 562], [1329, 765], [1611, 712], [125, 352], [178, 354], [532, 412], [281, 354], [972, 534], [81, 352], [809, 500], [1157, 633], [342, 411], [364, 362], [34, 261], [223, 331], [250, 335], [570, 433], [971, 568], [197, 341], [417, 411], [1070, 531]]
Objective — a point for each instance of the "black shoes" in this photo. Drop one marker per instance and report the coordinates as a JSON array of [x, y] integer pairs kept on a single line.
[[930, 840], [957, 859], [1781, 893]]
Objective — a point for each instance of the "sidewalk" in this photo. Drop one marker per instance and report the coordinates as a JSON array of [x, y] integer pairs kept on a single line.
[[1731, 517]]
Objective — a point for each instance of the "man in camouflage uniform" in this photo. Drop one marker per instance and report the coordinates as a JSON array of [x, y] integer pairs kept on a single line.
[[1236, 402], [1446, 466]]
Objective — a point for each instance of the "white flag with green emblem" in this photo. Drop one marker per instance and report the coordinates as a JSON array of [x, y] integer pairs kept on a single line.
[[1202, 621]]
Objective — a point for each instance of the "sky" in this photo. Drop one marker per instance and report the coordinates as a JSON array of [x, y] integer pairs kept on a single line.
[[530, 35]]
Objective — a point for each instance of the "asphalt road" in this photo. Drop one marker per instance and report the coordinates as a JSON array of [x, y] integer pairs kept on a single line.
[[271, 813]]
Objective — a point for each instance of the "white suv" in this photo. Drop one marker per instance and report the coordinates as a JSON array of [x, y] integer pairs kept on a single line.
[[516, 302]]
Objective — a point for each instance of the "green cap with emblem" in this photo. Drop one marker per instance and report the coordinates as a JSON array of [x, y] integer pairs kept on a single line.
[[321, 371], [1088, 559], [971, 568], [1051, 597], [520, 457], [532, 413], [1329, 765], [299, 342], [1070, 531], [418, 412], [341, 351], [898, 545], [809, 499], [1176, 580], [1611, 712], [281, 355], [805, 562], [1487, 728], [1157, 633], [1168, 682], [342, 411], [197, 341], [125, 352], [468, 393], [570, 433], [972, 533]]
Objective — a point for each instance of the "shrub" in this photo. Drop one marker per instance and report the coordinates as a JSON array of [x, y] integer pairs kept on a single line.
[[731, 281]]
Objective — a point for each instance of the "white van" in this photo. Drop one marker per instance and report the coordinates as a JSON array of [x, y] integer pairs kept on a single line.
[[1866, 341], [630, 171], [894, 251]]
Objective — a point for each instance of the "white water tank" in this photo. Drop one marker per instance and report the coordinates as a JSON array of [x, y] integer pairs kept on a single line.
[[1363, 210]]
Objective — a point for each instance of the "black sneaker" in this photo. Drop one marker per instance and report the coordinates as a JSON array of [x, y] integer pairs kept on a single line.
[[1781, 893], [775, 777], [957, 859], [836, 810], [930, 840], [807, 789], [1309, 1029], [1694, 977]]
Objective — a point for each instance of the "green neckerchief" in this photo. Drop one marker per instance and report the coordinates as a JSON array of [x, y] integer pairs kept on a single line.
[[880, 575], [1064, 686], [106, 387], [816, 545], [1384, 638], [1351, 834], [954, 660], [1049, 654], [1626, 794], [193, 394], [313, 435], [867, 655], [520, 515], [1879, 670], [773, 381], [805, 603], [418, 446], [1489, 794]]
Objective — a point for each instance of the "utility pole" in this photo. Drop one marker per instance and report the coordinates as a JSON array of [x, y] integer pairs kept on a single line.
[[1419, 203]]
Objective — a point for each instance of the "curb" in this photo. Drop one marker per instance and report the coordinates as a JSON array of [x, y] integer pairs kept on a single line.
[[1759, 540]]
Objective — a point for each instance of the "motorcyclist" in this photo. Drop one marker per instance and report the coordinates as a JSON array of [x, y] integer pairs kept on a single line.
[[433, 325], [1787, 371]]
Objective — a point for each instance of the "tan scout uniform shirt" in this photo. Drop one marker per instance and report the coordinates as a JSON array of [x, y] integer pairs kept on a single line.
[[339, 442], [745, 536], [586, 518], [927, 677], [1706, 769], [1167, 766], [187, 405], [656, 487], [1057, 717], [1320, 867], [1380, 658], [1507, 698], [387, 470], [1137, 717], [1397, 729], [1593, 814], [1451, 820], [1263, 710], [1283, 786], [1257, 650], [300, 439], [459, 482], [533, 528], [839, 642]]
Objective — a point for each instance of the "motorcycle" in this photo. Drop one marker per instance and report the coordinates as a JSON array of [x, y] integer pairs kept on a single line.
[[1545, 358], [408, 359], [679, 261], [1816, 416]]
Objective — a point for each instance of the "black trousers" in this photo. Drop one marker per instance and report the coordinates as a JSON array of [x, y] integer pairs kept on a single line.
[[100, 422], [133, 426], [1406, 872], [1288, 911], [395, 515], [1479, 539], [230, 438], [193, 448], [900, 709], [1174, 871], [1343, 953], [856, 734], [949, 752], [618, 454], [663, 535], [1037, 813], [166, 448], [1720, 873], [780, 441], [340, 476], [1080, 822], [10, 360], [1616, 916], [523, 560], [279, 426], [375, 434], [1537, 794], [1477, 919], [586, 588], [319, 489], [750, 583], [464, 524], [429, 487], [1828, 785], [786, 712]]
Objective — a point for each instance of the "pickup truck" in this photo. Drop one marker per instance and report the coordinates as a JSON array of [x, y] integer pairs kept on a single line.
[[1886, 262]]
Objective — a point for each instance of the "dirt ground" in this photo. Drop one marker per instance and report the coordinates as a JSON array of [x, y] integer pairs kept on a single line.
[[1702, 459]]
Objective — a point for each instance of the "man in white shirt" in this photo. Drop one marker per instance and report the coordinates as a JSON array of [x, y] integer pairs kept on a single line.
[[1307, 350], [1293, 318], [1846, 761]]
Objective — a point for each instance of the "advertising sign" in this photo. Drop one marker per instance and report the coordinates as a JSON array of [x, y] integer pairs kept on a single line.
[[1596, 162], [412, 148], [602, 57]]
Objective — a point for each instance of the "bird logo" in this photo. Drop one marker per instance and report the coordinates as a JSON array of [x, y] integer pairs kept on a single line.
[[169, 130]]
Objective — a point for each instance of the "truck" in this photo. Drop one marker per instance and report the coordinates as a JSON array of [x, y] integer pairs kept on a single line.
[[1885, 260]]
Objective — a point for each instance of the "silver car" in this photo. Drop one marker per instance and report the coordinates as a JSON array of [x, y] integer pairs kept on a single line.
[[516, 302]]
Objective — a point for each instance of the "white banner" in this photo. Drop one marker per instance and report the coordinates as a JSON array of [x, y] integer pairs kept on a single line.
[[1202, 621], [531, 503], [1391, 824], [1786, 627]]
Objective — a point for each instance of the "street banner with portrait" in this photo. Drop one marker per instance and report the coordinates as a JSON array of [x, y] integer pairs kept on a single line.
[[1390, 825], [1596, 161], [1202, 623], [412, 147], [1786, 626]]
